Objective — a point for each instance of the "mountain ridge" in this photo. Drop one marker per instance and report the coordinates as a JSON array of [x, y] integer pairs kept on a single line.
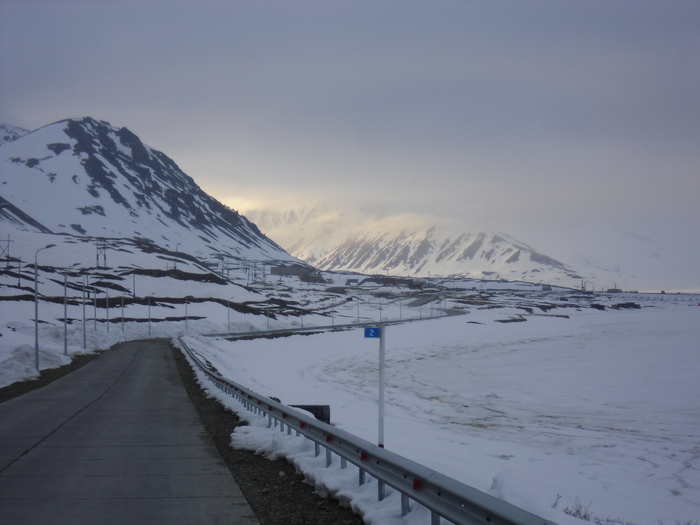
[[86, 177], [335, 238]]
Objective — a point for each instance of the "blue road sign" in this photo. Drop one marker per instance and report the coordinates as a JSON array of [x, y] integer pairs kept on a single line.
[[373, 332]]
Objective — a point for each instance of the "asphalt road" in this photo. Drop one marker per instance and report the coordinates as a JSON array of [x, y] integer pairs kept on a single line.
[[117, 441]]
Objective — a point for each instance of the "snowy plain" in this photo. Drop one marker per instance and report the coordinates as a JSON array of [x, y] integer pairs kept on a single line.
[[602, 407]]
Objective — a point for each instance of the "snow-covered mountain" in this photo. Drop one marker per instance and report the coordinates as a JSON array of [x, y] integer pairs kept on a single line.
[[87, 178], [334, 238], [9, 133]]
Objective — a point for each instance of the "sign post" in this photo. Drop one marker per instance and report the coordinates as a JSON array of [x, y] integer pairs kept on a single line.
[[380, 334]]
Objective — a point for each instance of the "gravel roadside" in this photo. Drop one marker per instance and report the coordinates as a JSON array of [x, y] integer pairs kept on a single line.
[[275, 492]]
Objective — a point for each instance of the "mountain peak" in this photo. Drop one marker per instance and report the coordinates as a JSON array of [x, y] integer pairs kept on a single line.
[[10, 133], [85, 176]]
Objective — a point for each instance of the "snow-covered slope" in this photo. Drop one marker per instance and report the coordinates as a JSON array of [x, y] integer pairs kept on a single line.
[[85, 177], [334, 238]]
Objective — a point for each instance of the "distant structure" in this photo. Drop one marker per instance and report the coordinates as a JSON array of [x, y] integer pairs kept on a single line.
[[304, 273]]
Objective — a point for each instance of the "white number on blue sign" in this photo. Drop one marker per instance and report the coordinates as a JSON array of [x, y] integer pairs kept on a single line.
[[372, 332]]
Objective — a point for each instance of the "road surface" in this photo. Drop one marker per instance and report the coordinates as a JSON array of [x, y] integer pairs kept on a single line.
[[117, 441]]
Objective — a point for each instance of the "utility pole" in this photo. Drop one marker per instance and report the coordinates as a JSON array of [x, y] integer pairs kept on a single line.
[[36, 304], [101, 245]]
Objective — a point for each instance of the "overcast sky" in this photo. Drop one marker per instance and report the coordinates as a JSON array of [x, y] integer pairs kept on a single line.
[[553, 121]]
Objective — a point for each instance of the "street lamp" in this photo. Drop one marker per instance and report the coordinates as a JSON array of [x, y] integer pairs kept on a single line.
[[149, 314], [85, 278], [228, 315], [107, 307], [36, 305], [65, 314], [187, 300]]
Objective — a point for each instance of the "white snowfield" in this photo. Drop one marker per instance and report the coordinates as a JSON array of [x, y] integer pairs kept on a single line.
[[600, 408], [600, 411]]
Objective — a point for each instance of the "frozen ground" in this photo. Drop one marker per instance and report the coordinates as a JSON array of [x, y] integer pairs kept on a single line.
[[602, 407]]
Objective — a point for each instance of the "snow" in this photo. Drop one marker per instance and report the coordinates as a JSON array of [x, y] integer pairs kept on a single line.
[[571, 404], [601, 408]]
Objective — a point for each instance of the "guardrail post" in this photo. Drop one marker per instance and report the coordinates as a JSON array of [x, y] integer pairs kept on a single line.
[[434, 518], [404, 504], [269, 421], [343, 462], [289, 430], [381, 490], [362, 477], [328, 457], [317, 449]]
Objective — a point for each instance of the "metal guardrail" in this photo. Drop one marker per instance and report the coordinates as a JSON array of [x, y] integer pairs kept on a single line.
[[324, 328], [443, 496]]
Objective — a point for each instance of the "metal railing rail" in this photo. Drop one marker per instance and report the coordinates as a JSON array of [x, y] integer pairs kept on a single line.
[[321, 328], [296, 329], [442, 495]]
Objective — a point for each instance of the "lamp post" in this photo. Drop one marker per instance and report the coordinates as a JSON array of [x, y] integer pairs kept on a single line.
[[65, 314], [187, 301], [228, 315], [94, 302], [107, 307], [84, 334], [36, 304], [149, 314]]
